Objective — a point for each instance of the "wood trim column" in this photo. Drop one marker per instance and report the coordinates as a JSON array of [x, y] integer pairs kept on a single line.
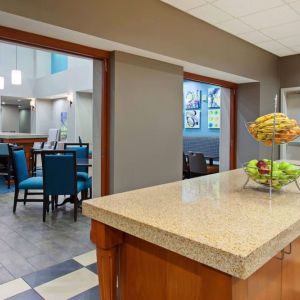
[[107, 240], [233, 129]]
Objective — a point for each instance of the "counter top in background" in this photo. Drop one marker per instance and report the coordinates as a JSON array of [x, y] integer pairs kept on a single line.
[[17, 135], [209, 219]]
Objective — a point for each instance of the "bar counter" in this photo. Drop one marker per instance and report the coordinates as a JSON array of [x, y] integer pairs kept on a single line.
[[208, 236], [25, 140]]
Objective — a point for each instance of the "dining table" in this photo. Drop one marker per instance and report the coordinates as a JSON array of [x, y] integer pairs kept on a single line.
[[80, 162]]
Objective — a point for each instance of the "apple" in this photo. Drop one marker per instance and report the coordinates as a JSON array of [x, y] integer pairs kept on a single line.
[[252, 162], [283, 165], [263, 167], [292, 170]]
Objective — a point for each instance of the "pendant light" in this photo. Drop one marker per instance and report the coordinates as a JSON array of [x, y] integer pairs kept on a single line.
[[16, 75], [1, 83]]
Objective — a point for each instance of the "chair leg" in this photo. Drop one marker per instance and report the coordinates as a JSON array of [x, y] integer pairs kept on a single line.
[[16, 199], [91, 193], [25, 196], [45, 205], [75, 207], [52, 202]]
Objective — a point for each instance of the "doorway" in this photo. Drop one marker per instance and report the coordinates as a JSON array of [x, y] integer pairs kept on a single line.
[[290, 105], [209, 124], [101, 83]]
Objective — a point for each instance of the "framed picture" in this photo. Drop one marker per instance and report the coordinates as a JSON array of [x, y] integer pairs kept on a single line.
[[214, 98], [192, 119], [192, 99], [214, 118]]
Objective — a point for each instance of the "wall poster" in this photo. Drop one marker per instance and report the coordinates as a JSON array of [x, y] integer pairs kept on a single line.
[[192, 119], [63, 126], [214, 118], [214, 98], [192, 99]]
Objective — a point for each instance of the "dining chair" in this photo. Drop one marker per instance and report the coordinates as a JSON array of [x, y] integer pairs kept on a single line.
[[185, 167], [22, 180], [60, 177], [5, 162], [197, 164], [82, 151]]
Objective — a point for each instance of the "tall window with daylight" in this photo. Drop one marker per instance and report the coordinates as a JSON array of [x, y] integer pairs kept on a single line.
[[59, 63]]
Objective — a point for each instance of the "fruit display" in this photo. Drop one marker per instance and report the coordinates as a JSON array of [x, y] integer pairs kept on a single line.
[[285, 129], [282, 173]]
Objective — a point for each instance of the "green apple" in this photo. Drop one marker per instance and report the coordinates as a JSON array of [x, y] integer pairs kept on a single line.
[[275, 165], [292, 170], [252, 162], [252, 171], [277, 173], [283, 165]]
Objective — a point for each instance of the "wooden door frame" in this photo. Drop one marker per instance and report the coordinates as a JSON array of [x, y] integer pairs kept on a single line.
[[233, 109], [40, 41]]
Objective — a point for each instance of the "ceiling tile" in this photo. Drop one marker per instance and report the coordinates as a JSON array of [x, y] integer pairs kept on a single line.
[[185, 4], [290, 41], [210, 14], [254, 37], [271, 17], [296, 6], [296, 48], [289, 1], [235, 8], [276, 48], [234, 26], [282, 31]]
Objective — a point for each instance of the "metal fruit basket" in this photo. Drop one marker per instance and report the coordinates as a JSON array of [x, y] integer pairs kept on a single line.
[[279, 178], [266, 136]]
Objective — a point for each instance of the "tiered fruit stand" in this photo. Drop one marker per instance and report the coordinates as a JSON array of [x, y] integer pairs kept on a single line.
[[271, 130]]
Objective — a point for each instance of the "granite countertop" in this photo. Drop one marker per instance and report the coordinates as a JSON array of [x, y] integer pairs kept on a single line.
[[209, 219], [19, 135]]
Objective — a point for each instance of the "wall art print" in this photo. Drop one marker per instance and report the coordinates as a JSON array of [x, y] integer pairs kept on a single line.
[[214, 97], [192, 119], [192, 99], [214, 118]]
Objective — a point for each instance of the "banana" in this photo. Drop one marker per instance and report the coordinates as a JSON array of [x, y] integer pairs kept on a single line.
[[283, 130], [269, 116]]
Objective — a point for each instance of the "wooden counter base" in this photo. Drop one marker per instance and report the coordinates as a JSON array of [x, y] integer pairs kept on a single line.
[[147, 271], [26, 144]]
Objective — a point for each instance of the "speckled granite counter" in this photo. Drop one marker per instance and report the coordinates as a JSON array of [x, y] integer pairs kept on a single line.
[[210, 219]]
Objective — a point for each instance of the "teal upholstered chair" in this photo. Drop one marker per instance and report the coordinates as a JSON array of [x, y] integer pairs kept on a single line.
[[22, 179], [5, 162], [60, 177], [82, 151]]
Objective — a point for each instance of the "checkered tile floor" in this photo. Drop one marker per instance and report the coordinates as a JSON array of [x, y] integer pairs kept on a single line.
[[73, 279]]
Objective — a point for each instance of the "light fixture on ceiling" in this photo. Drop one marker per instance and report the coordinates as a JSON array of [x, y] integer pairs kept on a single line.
[[32, 103], [1, 83], [70, 98], [16, 75], [3, 103]]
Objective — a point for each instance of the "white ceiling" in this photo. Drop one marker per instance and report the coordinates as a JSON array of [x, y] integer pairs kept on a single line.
[[273, 25]]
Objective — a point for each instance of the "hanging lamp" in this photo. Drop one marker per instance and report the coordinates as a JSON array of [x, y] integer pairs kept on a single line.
[[16, 75]]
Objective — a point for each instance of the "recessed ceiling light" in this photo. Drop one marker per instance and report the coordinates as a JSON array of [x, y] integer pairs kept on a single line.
[[3, 103], [20, 106], [19, 100]]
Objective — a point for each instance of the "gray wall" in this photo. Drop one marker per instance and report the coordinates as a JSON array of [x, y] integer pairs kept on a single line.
[[10, 118], [84, 120], [146, 125], [248, 110], [289, 70], [24, 120], [155, 26]]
